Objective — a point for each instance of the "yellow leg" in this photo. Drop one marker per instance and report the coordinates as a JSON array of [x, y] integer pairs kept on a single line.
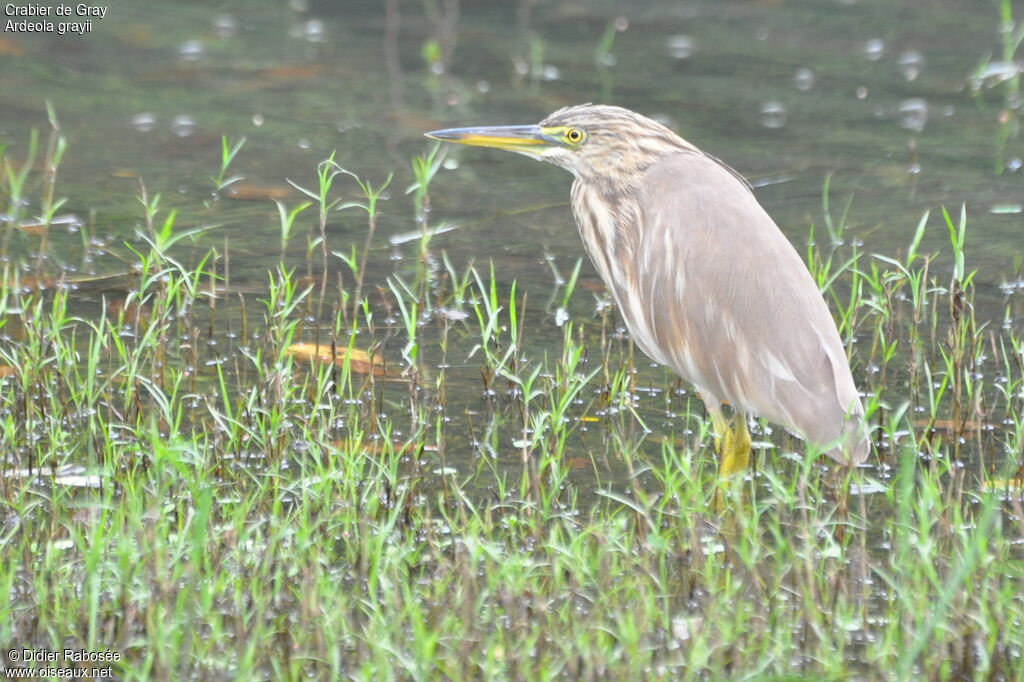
[[734, 449], [733, 446]]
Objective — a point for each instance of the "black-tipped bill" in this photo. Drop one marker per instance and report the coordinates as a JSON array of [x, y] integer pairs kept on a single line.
[[527, 139]]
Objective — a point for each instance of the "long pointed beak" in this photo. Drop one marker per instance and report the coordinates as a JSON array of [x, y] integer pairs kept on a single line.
[[527, 139]]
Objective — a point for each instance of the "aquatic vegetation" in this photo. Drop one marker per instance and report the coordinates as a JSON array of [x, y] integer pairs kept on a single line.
[[451, 477]]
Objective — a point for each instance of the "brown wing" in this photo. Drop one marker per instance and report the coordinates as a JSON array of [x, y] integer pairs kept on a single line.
[[723, 298]]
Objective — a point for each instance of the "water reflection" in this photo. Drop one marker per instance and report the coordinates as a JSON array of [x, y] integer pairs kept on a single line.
[[803, 79], [192, 50], [225, 26], [913, 114], [773, 114], [183, 125], [680, 46], [144, 122], [874, 49], [911, 64]]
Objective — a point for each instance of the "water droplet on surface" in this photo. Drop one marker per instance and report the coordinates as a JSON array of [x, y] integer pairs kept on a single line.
[[312, 31], [304, 143], [258, 120], [144, 122], [1014, 164], [1006, 209], [483, 87], [183, 125], [450, 163], [912, 63], [773, 114], [861, 92], [191, 50], [680, 46], [914, 169], [803, 79], [225, 26], [874, 49], [550, 73], [621, 24], [913, 114], [606, 59]]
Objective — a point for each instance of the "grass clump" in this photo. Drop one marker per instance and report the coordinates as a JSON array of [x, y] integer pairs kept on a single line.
[[495, 499]]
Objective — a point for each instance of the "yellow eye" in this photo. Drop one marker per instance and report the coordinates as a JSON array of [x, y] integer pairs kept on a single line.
[[574, 135]]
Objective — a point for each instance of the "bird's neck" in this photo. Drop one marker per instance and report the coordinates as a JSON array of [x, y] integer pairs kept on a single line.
[[607, 215]]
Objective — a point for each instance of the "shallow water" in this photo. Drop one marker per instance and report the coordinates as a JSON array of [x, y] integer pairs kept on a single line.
[[882, 101], [873, 96], [788, 93]]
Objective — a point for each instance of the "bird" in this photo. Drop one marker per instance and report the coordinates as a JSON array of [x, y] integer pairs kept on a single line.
[[706, 282]]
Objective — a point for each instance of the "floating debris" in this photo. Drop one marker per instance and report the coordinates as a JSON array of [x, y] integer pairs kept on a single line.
[[1013, 484], [72, 475], [70, 221], [250, 192], [358, 361], [1006, 209]]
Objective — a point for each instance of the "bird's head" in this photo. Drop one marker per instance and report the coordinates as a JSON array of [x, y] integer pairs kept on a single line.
[[593, 142]]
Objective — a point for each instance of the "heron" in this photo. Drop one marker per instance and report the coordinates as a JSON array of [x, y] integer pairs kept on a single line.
[[704, 279]]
